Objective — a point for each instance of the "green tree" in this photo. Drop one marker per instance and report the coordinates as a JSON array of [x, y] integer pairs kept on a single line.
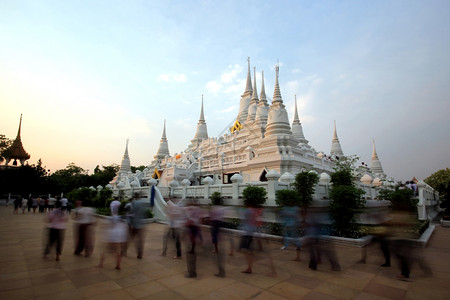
[[440, 181], [254, 196], [346, 201], [140, 168], [4, 144], [305, 183], [102, 176], [70, 178]]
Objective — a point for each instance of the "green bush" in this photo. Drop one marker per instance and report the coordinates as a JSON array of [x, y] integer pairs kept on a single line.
[[287, 198], [254, 196], [216, 198]]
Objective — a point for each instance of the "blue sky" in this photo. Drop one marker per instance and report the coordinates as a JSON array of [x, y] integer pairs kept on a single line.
[[87, 75]]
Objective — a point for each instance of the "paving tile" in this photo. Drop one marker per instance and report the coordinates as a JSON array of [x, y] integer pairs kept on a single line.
[[52, 288], [168, 294], [14, 284], [67, 295], [116, 295], [268, 296], [239, 290], [304, 281], [131, 280], [99, 288], [319, 296], [337, 291], [17, 294], [289, 290], [145, 289], [385, 291], [368, 296]]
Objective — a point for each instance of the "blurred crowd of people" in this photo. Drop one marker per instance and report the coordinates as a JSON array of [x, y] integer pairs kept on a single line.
[[185, 230]]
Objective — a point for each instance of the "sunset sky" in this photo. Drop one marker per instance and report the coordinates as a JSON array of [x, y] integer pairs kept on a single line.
[[88, 75]]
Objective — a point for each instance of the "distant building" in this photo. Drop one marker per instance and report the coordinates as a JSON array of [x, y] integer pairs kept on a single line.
[[16, 152]]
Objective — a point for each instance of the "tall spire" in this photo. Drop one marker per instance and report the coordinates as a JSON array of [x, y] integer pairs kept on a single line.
[[336, 149], [375, 164], [202, 116], [297, 129], [248, 87], [254, 102], [163, 150], [276, 91], [263, 108], [16, 150], [246, 97], [277, 121], [202, 130], [262, 96], [125, 166]]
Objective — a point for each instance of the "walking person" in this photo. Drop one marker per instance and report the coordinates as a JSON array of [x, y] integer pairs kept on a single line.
[[56, 224], [216, 215], [194, 215], [84, 229], [177, 220], [17, 202], [115, 238], [137, 227], [24, 205], [34, 204]]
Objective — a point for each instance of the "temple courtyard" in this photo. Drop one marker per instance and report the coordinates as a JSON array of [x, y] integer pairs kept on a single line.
[[24, 274]]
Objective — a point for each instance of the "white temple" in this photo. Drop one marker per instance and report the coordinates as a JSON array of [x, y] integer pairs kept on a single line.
[[260, 140], [262, 148]]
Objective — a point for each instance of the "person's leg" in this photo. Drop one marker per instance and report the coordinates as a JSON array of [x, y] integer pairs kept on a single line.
[[177, 234], [165, 239]]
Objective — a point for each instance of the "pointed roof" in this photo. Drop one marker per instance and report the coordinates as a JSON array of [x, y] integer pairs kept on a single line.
[[297, 129], [202, 130], [16, 150], [263, 108], [163, 149], [125, 165], [375, 164], [254, 102], [336, 149], [248, 87], [276, 91], [277, 120], [245, 97]]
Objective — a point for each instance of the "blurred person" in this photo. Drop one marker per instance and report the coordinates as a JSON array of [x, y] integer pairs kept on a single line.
[[217, 214], [29, 203], [41, 205], [194, 215], [34, 204], [177, 220], [51, 203], [64, 202], [84, 229], [290, 219], [56, 224], [17, 202], [317, 248], [24, 205], [114, 206], [115, 237], [249, 227], [407, 254], [137, 228]]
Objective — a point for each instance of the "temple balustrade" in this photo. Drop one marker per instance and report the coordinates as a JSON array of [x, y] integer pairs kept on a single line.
[[427, 207]]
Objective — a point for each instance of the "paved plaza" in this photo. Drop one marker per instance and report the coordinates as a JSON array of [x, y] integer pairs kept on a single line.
[[24, 274]]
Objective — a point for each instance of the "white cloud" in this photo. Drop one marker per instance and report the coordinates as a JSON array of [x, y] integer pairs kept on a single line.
[[213, 87], [170, 77], [296, 71]]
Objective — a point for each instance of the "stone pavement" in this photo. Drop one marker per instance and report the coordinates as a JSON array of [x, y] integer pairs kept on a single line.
[[24, 274]]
